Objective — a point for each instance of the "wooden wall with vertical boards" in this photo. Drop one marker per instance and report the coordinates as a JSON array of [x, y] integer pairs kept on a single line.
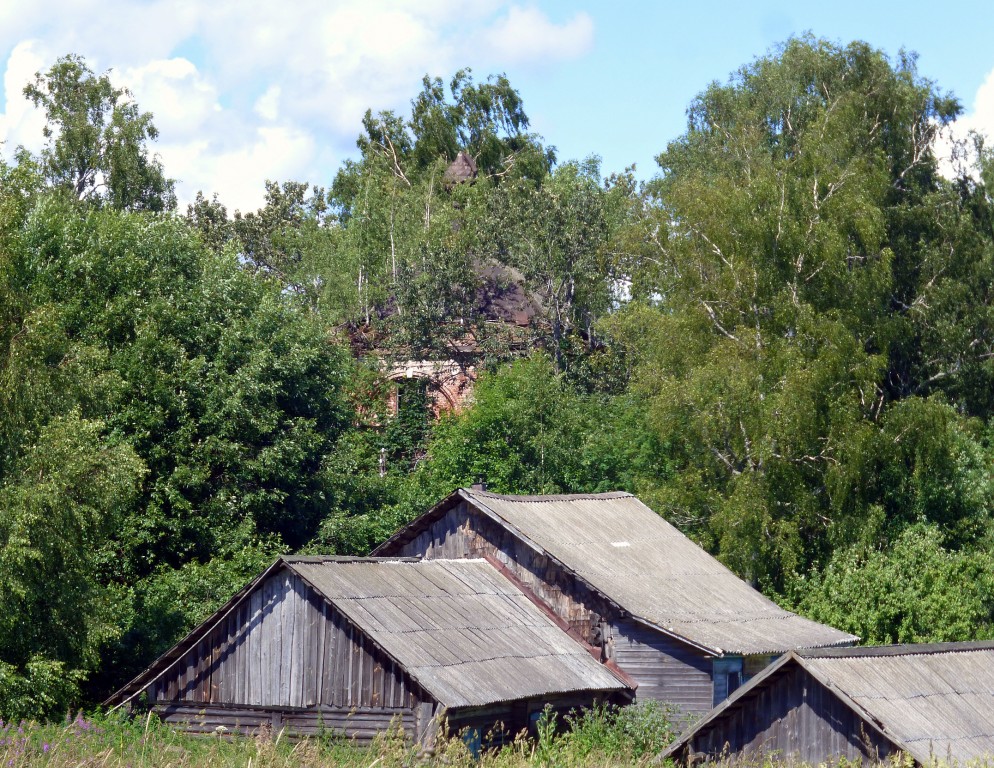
[[664, 668], [285, 656], [796, 718]]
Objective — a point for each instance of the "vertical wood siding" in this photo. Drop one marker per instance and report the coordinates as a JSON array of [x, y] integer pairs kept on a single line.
[[665, 669], [795, 717], [465, 533], [285, 647]]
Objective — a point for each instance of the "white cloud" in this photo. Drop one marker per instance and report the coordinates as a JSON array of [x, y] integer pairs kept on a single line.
[[954, 146], [21, 123], [175, 92], [268, 105], [527, 34], [236, 172], [244, 90]]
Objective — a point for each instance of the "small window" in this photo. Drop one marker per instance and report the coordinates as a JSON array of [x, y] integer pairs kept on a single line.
[[727, 677], [734, 681]]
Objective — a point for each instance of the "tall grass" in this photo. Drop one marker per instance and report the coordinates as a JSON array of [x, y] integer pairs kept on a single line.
[[601, 737]]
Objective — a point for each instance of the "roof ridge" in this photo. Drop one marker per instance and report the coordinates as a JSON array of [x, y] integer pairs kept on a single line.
[[522, 498], [291, 559], [901, 649]]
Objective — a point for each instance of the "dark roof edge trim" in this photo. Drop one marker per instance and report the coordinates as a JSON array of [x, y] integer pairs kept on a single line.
[[608, 495]]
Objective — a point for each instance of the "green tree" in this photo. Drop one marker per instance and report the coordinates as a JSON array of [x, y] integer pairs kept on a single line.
[[274, 238], [223, 387], [398, 215], [808, 255], [485, 120], [97, 139], [58, 510], [228, 391], [555, 233], [918, 590], [530, 431], [210, 219]]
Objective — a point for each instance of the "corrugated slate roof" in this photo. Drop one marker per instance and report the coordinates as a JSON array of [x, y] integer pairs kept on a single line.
[[935, 701], [632, 556], [459, 628]]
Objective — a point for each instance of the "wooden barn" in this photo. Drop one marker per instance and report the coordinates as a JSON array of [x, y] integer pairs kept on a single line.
[[353, 645], [682, 625], [932, 702]]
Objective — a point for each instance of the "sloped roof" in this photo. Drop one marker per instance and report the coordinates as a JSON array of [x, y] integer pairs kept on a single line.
[[461, 630], [632, 556], [931, 701], [463, 168]]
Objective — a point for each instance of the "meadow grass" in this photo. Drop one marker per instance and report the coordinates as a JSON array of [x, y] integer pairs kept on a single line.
[[600, 737]]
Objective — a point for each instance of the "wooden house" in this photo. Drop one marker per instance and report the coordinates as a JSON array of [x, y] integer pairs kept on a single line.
[[353, 645], [931, 702], [682, 625]]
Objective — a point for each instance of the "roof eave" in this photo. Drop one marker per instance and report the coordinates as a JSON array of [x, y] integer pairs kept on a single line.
[[716, 651], [434, 691], [410, 531]]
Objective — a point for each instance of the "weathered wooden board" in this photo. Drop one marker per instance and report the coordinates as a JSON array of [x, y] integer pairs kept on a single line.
[[287, 648], [665, 668], [354, 723], [797, 719]]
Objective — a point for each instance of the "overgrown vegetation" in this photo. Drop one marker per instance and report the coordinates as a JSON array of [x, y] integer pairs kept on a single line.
[[784, 343], [600, 737]]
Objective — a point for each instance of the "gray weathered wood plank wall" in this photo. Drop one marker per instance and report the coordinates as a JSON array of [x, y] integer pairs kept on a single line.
[[664, 668], [285, 647], [796, 718], [359, 723]]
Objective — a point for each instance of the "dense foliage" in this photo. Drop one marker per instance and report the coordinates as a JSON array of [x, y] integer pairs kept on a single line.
[[783, 342]]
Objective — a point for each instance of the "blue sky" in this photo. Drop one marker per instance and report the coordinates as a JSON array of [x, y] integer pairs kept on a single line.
[[245, 90], [628, 96]]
